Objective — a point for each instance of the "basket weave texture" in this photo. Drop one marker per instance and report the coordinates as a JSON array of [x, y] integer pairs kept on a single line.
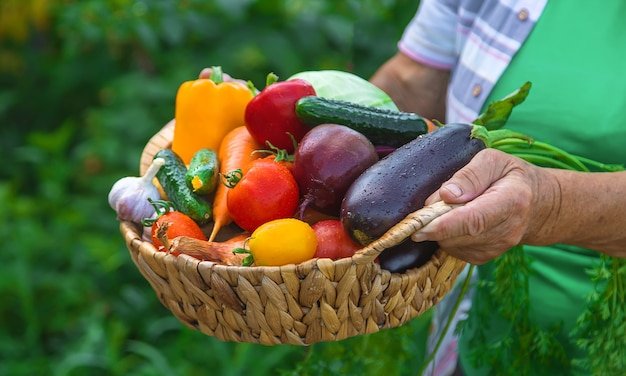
[[317, 300]]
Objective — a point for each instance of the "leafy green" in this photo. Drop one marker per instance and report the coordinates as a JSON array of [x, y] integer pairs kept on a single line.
[[601, 329], [525, 349]]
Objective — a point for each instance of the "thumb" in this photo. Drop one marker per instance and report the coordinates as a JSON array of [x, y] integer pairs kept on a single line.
[[474, 179], [453, 193]]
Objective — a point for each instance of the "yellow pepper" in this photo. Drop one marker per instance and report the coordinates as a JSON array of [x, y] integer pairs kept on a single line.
[[206, 110]]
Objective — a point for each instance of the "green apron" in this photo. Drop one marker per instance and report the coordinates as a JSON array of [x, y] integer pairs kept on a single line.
[[576, 60]]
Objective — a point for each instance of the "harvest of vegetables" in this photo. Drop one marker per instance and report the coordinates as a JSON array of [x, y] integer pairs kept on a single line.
[[332, 146], [330, 192]]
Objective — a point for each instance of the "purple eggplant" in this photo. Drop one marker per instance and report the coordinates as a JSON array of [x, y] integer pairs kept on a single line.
[[399, 183], [407, 255]]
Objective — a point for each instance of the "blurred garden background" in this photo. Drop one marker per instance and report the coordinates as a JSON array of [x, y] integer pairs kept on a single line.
[[83, 86]]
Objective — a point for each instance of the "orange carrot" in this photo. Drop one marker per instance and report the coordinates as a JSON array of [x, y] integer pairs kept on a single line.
[[236, 151], [431, 126]]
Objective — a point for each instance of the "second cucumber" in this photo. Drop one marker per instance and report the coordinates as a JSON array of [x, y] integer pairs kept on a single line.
[[202, 175]]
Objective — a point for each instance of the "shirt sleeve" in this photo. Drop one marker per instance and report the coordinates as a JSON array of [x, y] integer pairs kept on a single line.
[[430, 37]]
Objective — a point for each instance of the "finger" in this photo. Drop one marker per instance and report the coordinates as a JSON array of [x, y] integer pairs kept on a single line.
[[472, 220], [427, 232], [205, 73], [433, 198]]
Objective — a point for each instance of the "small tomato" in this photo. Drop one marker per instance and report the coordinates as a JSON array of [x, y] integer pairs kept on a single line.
[[333, 241], [178, 224], [281, 242]]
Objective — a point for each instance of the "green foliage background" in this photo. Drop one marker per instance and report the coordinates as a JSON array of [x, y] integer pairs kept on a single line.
[[83, 85]]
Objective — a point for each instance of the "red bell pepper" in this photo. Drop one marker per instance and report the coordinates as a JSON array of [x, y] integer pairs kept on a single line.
[[271, 115]]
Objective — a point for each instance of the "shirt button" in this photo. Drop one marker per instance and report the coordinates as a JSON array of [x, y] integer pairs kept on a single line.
[[476, 90], [522, 15]]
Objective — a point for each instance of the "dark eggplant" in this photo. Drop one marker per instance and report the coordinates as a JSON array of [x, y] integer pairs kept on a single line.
[[407, 255], [398, 184]]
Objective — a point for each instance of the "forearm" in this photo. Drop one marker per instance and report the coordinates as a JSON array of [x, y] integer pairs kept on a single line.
[[589, 210], [413, 86]]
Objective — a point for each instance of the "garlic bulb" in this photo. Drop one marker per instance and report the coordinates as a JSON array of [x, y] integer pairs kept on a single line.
[[129, 195]]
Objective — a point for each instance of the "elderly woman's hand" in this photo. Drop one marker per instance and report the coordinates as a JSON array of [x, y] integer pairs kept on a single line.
[[505, 199]]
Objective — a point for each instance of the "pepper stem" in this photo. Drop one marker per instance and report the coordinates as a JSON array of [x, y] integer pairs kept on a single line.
[[217, 75], [252, 89], [270, 79]]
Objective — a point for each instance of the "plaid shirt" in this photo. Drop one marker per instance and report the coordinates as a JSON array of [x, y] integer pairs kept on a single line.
[[475, 39]]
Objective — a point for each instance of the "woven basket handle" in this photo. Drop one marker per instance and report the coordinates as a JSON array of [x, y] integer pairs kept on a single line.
[[402, 230]]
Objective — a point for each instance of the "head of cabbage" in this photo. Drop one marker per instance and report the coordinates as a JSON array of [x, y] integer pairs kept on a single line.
[[346, 86]]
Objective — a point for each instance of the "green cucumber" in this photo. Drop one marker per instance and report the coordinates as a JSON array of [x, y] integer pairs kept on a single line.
[[171, 176], [202, 175], [381, 126]]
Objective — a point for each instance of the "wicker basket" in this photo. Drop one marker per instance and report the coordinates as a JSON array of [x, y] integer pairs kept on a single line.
[[318, 300]]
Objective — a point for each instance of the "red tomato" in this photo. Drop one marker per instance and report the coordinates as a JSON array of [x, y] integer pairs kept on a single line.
[[179, 224], [333, 241], [271, 114], [267, 191]]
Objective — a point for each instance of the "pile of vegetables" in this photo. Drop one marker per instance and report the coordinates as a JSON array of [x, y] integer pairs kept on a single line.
[[346, 167], [248, 181], [320, 165], [244, 165]]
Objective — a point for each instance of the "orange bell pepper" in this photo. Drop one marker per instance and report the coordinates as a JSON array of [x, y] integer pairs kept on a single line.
[[206, 110]]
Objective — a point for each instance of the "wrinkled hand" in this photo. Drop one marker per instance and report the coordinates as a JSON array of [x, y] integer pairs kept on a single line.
[[503, 196]]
